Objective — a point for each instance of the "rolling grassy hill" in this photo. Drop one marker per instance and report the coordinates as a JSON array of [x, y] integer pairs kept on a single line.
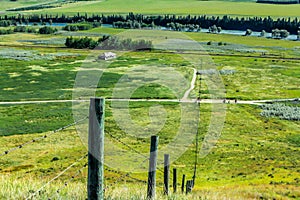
[[236, 8], [255, 157]]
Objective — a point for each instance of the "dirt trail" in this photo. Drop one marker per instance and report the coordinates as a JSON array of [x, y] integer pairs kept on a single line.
[[187, 93], [207, 101]]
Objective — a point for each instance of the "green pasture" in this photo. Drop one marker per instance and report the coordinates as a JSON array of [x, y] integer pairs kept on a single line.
[[235, 8], [44, 70], [260, 78], [6, 4], [258, 162], [254, 158]]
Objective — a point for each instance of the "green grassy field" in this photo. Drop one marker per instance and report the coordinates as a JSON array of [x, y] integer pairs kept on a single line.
[[20, 3], [236, 8], [259, 163], [254, 158]]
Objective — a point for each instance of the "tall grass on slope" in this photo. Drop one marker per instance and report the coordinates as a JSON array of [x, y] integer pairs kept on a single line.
[[22, 188]]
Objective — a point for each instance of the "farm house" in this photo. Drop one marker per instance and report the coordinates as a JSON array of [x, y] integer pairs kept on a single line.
[[279, 1], [107, 56]]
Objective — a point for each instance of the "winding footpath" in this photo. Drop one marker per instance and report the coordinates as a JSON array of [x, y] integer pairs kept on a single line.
[[187, 93]]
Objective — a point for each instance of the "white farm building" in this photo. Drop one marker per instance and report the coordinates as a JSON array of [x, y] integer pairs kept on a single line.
[[107, 56]]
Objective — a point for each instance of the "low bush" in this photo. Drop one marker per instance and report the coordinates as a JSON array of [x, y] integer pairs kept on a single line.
[[81, 26], [47, 30], [281, 110]]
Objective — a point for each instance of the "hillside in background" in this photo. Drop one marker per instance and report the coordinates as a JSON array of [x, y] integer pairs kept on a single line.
[[235, 8]]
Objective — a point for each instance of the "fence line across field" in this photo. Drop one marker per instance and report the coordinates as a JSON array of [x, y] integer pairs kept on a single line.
[[129, 147], [41, 137], [56, 177], [126, 175], [97, 118], [124, 144]]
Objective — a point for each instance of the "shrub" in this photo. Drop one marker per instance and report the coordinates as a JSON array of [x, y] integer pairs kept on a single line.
[[4, 32], [248, 32], [82, 26], [5, 23], [47, 30], [282, 111], [227, 71], [20, 29]]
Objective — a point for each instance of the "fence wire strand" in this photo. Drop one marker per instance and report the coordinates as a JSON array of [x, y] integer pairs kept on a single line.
[[66, 183], [123, 143], [125, 175], [40, 138], [56, 177]]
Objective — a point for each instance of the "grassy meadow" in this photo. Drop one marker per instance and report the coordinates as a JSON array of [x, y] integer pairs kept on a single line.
[[259, 163], [235, 8], [254, 158]]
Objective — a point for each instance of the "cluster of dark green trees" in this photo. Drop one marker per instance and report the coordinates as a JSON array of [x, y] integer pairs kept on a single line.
[[6, 23], [132, 25], [225, 22], [214, 29], [82, 26], [108, 43], [47, 30], [5, 32], [280, 34], [25, 29], [183, 27], [278, 1], [276, 33], [81, 43]]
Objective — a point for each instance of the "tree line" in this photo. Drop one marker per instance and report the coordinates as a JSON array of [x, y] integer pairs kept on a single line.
[[108, 43], [82, 26], [24, 29], [226, 22]]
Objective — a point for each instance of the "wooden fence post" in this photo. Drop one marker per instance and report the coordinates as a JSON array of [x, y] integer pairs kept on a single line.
[[166, 173], [189, 186], [182, 183], [174, 180], [96, 149], [152, 168]]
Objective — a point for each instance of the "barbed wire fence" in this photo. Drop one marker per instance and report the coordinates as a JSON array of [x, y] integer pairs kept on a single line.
[[54, 178], [8, 151], [34, 194], [66, 183], [44, 136]]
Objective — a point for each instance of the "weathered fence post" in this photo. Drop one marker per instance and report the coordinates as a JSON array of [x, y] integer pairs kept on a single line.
[[166, 173], [189, 186], [174, 180], [182, 183], [152, 168], [96, 149]]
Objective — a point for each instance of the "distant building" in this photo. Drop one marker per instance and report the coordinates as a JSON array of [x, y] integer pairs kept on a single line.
[[107, 56], [279, 1]]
